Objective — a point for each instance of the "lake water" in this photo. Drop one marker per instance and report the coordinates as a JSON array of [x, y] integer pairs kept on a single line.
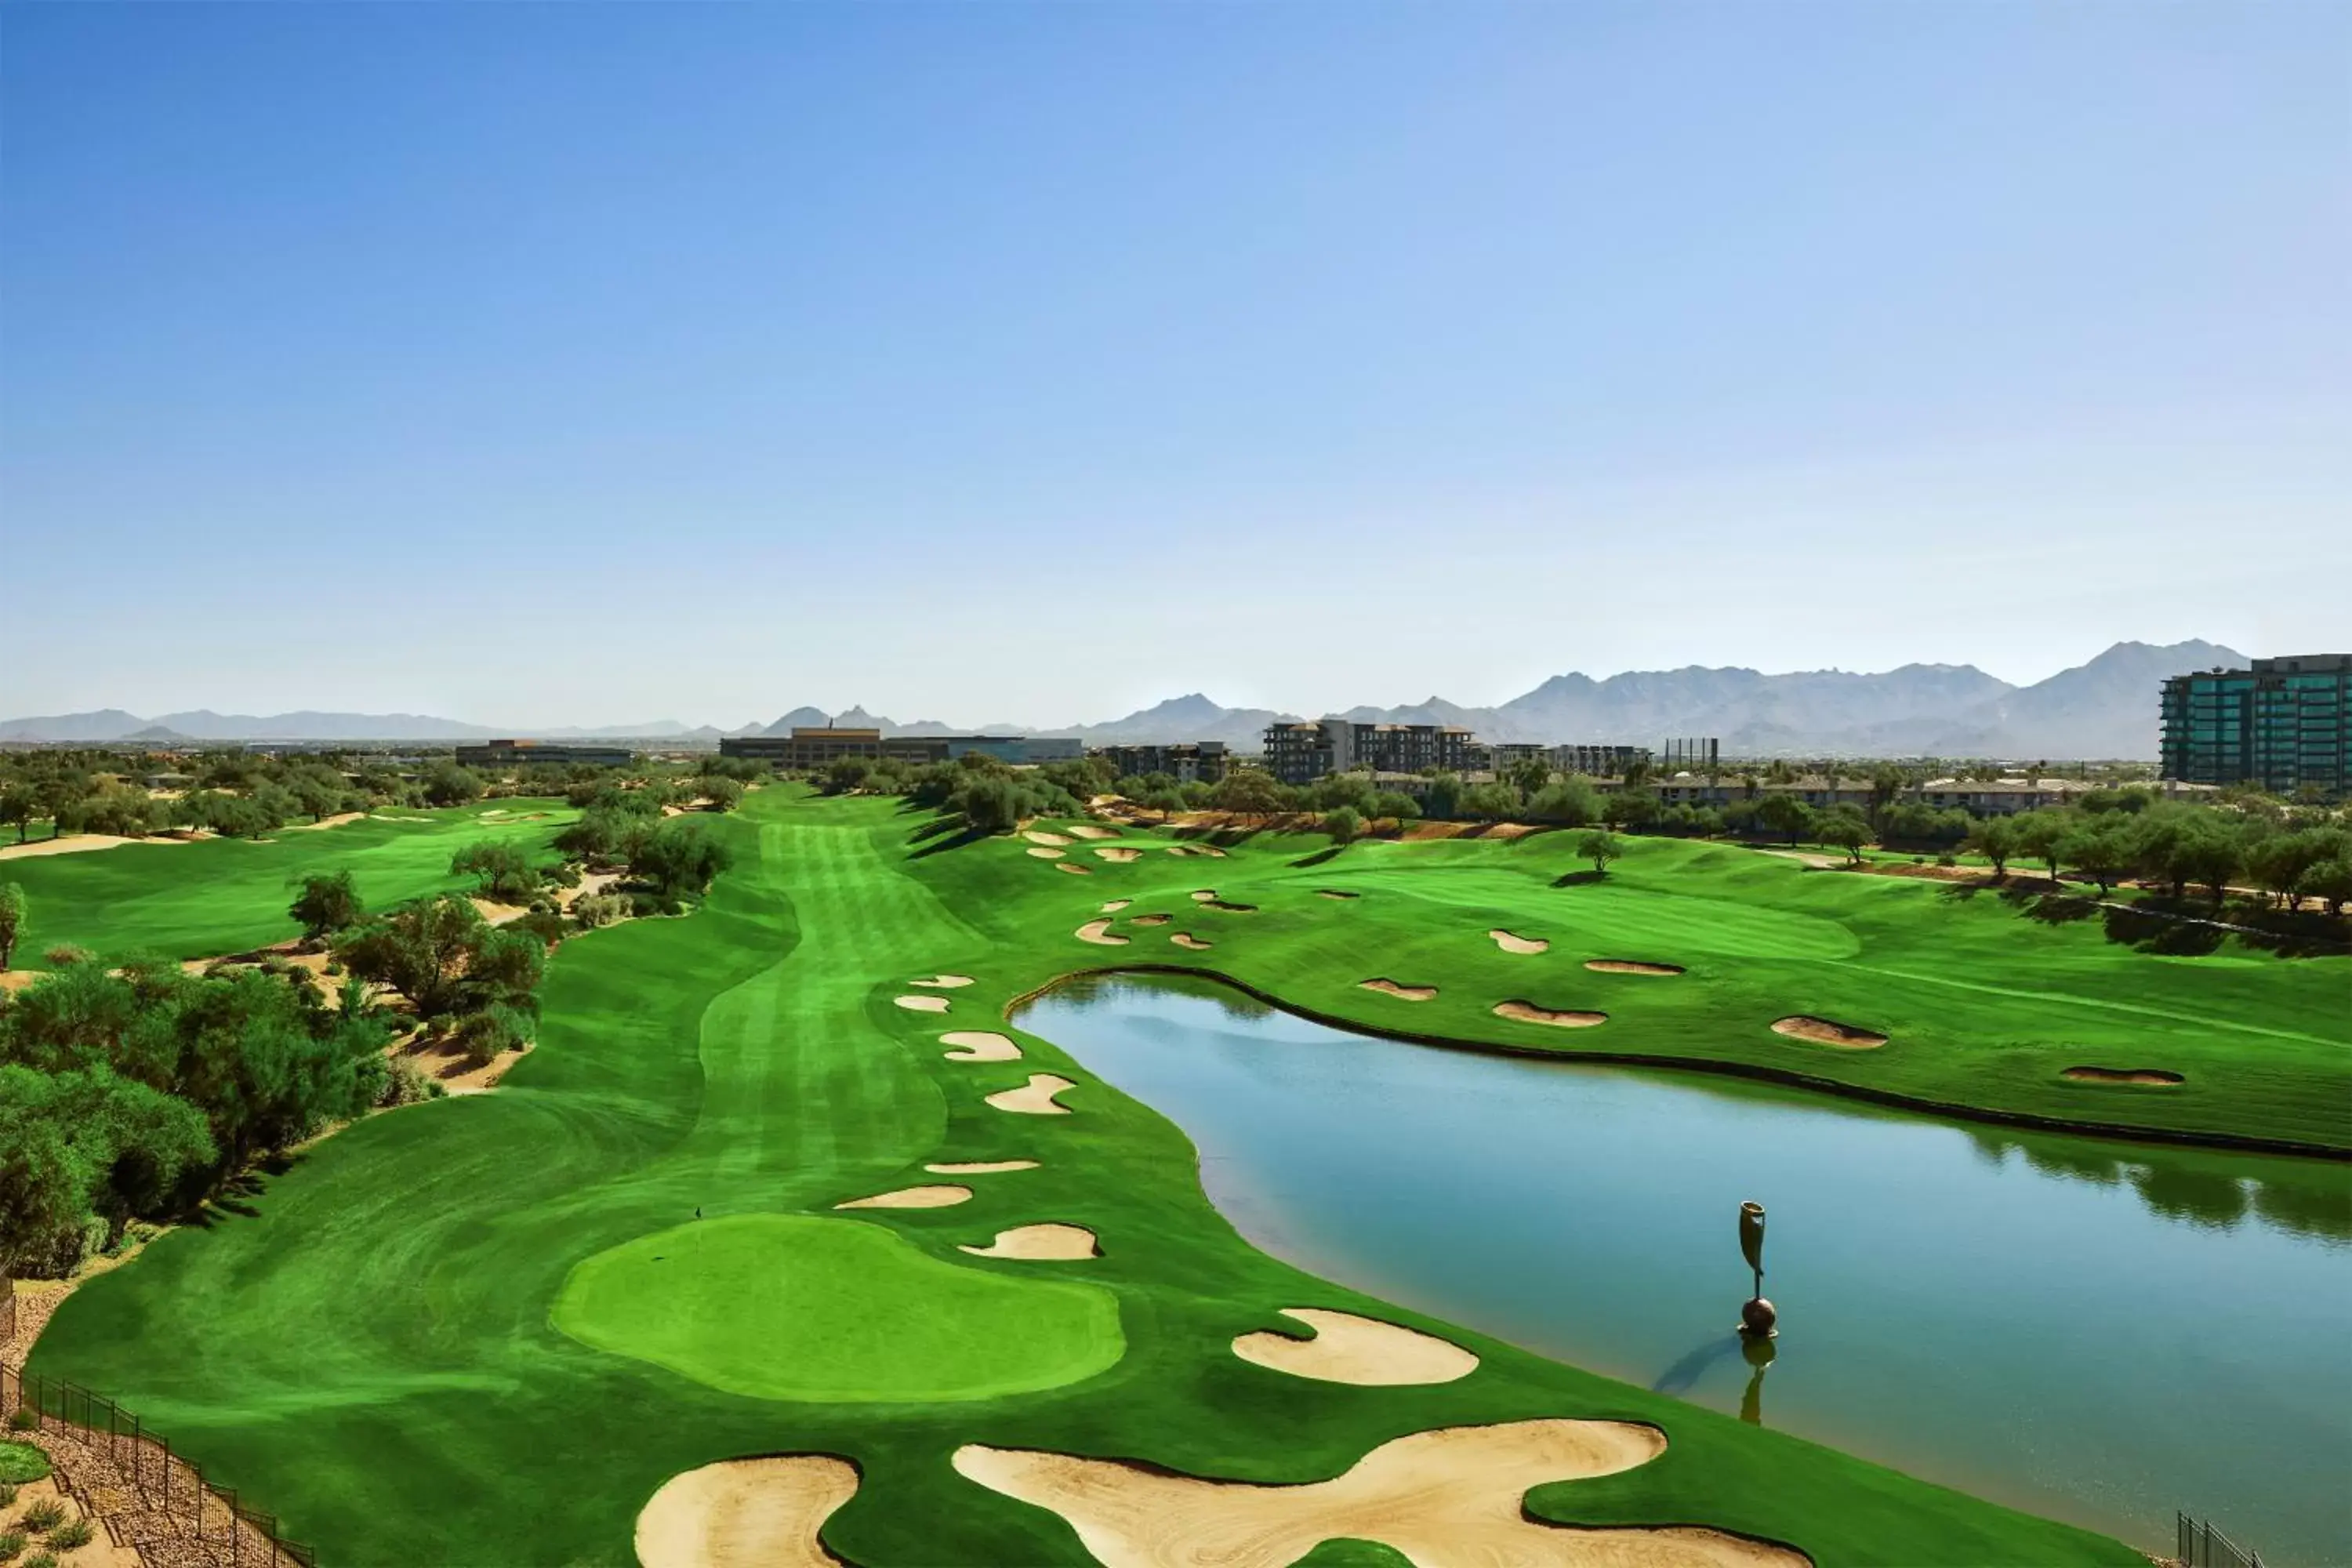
[[2092, 1330]]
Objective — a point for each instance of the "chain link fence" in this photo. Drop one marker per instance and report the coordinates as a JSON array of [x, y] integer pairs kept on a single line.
[[2202, 1546]]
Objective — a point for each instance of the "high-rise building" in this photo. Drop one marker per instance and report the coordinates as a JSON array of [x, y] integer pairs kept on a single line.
[[1301, 753], [2282, 724]]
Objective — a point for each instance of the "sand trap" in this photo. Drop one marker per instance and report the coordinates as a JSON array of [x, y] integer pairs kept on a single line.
[[981, 1045], [1115, 905], [1203, 895], [944, 982], [940, 1196], [923, 1004], [1152, 920], [981, 1167], [1454, 1495], [1559, 1017], [746, 1513], [1034, 836], [78, 844], [2153, 1077], [1824, 1032], [1629, 966], [498, 914], [1120, 854], [1034, 1098], [1085, 832], [1349, 1349], [335, 820], [1098, 932], [1335, 893], [1046, 854], [1511, 943], [1048, 1243], [1190, 942], [1229, 909], [1402, 993], [1073, 870]]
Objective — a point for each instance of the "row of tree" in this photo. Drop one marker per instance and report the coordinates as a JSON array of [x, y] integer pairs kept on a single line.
[[2285, 859]]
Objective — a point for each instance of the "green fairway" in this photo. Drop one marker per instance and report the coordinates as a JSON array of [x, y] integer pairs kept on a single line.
[[392, 1349], [217, 895], [786, 1307]]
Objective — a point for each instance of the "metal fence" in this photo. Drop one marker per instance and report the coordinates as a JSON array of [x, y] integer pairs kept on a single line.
[[2202, 1546], [140, 1488]]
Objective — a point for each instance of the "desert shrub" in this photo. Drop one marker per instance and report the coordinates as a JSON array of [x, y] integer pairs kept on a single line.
[[9, 1493], [547, 924], [25, 1418], [405, 1084], [41, 1560], [43, 1516], [597, 909], [20, 1462], [65, 954], [484, 1036], [12, 1541], [68, 1536]]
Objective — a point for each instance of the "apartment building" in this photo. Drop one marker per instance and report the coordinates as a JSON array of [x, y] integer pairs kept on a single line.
[[1301, 753], [809, 747], [1186, 762], [2286, 725], [526, 753]]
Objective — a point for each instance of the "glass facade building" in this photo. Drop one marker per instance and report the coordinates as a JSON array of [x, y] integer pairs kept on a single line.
[[2281, 724]]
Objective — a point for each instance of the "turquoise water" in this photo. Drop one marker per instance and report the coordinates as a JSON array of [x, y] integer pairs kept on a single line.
[[2096, 1331]]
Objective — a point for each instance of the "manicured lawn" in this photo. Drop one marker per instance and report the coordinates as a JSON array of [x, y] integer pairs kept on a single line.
[[379, 1351], [229, 895]]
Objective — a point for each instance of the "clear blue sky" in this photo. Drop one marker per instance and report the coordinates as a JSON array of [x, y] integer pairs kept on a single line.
[[554, 364]]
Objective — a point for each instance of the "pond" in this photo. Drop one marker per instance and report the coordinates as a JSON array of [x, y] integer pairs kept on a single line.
[[2092, 1330]]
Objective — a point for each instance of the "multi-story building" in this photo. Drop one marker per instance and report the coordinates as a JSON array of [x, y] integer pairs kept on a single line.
[[2286, 725], [1186, 762], [1598, 761], [809, 747], [1300, 753], [525, 753]]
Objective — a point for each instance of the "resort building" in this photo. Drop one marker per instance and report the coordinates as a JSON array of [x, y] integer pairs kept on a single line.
[[530, 753], [808, 748], [1186, 762], [1301, 753], [2282, 725]]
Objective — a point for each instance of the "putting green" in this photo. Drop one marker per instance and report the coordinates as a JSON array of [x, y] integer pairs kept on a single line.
[[794, 1307]]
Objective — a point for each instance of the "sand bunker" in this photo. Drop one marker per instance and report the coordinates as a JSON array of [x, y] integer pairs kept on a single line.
[[1559, 1017], [1152, 920], [1046, 854], [981, 1167], [2153, 1077], [1115, 905], [77, 844], [1083, 832], [944, 982], [1203, 895], [1229, 909], [1098, 932], [1454, 1495], [1402, 993], [746, 1513], [1349, 1349], [1120, 854], [1073, 870], [1335, 893], [981, 1045], [923, 1004], [1034, 836], [1034, 1098], [1040, 1244], [1511, 943], [1629, 966], [1187, 940], [335, 820], [941, 1197], [1824, 1032]]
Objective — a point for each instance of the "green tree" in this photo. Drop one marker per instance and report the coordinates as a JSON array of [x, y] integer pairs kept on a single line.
[[13, 910], [2041, 833], [327, 905], [18, 806], [720, 792], [1396, 807], [501, 871], [1495, 801], [1248, 791], [679, 860], [1166, 799], [1782, 813], [1530, 776], [448, 784], [1599, 845], [2278, 862], [2330, 881], [421, 950], [1845, 827], [1571, 802], [1995, 839], [2099, 847], [1343, 825], [1629, 806], [1443, 798]]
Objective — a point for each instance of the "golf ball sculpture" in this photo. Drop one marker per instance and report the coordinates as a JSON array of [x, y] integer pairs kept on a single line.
[[1757, 1319]]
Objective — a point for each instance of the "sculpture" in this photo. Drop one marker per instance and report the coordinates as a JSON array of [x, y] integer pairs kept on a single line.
[[1757, 1319]]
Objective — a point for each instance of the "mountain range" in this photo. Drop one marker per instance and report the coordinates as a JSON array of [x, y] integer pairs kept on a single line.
[[2107, 708]]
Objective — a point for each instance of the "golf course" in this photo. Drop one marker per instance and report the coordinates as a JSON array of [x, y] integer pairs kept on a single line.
[[783, 1245]]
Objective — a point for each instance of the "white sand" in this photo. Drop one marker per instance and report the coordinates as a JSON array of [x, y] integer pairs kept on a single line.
[[1511, 943], [944, 982], [937, 1196], [77, 844], [746, 1513], [1111, 854], [1034, 1098], [1631, 966], [1090, 832], [1827, 1032], [1152, 920], [1558, 1017], [1115, 905], [1043, 854], [1203, 895], [981, 1045], [1035, 835], [1099, 933], [1193, 943], [981, 1167], [923, 1004], [1074, 870], [1453, 1496], [1051, 1242], [1349, 1349], [1402, 992]]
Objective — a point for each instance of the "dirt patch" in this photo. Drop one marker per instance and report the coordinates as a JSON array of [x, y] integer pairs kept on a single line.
[[944, 982], [1558, 1017], [1043, 854], [1629, 966], [1048, 1243], [923, 1004], [1511, 943], [1349, 1349], [588, 886], [1122, 855], [444, 1062], [15, 980], [981, 1045], [1229, 909], [1054, 840], [2150, 1077], [1190, 942], [1335, 893], [79, 844], [1115, 905], [941, 1195], [1454, 1495], [1073, 870], [335, 820], [1099, 933], [1827, 1032], [1087, 832], [498, 914], [1034, 1098], [981, 1167], [1152, 920], [746, 1513], [1402, 993]]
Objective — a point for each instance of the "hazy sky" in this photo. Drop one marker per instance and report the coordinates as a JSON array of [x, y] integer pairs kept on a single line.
[[582, 364]]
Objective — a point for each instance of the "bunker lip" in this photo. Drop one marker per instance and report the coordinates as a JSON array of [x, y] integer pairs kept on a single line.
[[979, 1167], [1099, 933], [1190, 942], [769, 1510], [1335, 893], [1402, 993], [1050, 840], [1050, 1242], [1629, 966], [1115, 905], [2147, 1078], [981, 1045], [944, 982], [1828, 1032], [1349, 1347], [1150, 920], [1511, 943], [1073, 870], [1044, 853], [1526, 1011], [937, 1195]]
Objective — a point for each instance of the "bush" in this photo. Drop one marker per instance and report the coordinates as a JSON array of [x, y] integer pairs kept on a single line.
[[20, 1462], [25, 1418], [596, 909], [44, 1515], [65, 1537], [405, 1084], [41, 1560], [8, 1494], [12, 1541]]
